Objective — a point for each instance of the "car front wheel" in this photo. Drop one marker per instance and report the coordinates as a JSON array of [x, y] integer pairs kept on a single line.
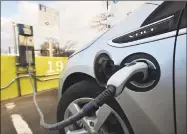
[[108, 119]]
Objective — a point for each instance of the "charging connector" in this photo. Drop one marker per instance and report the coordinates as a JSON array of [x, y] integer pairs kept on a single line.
[[120, 78]]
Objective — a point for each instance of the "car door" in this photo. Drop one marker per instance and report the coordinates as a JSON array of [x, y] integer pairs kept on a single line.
[[180, 76], [151, 112]]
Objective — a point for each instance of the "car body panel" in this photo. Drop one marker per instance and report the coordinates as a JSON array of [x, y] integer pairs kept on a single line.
[[154, 107], [180, 83]]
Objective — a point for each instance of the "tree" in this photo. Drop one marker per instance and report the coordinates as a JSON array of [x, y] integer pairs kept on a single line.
[[65, 51], [44, 49], [100, 21]]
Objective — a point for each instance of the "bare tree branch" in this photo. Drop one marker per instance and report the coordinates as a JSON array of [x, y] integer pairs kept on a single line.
[[65, 50], [100, 21]]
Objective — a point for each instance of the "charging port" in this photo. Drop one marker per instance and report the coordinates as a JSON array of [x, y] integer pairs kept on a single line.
[[136, 83], [104, 68]]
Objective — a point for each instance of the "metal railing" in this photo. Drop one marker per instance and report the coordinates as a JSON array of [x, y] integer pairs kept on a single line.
[[35, 76]]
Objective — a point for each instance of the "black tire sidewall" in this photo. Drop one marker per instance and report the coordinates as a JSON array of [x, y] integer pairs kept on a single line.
[[86, 89]]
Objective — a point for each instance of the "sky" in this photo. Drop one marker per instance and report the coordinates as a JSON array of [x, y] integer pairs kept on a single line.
[[75, 19], [11, 5]]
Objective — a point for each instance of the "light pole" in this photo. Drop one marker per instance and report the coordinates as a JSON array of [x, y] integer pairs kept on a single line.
[[107, 14], [15, 38]]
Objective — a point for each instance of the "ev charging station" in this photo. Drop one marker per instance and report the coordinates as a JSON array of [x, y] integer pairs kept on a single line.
[[25, 46]]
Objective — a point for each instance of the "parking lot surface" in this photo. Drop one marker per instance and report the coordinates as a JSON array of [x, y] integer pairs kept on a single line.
[[19, 115]]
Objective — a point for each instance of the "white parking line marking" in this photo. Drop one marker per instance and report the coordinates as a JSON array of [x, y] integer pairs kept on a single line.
[[10, 106], [20, 125]]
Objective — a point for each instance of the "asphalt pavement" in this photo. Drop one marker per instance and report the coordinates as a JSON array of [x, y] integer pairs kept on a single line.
[[19, 115]]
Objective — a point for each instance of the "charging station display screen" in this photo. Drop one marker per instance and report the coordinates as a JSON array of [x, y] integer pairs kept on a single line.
[[25, 30]]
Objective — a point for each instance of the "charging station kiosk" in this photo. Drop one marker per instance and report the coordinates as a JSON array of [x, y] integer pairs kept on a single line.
[[25, 45]]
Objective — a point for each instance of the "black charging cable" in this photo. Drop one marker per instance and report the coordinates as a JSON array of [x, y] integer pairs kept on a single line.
[[92, 106]]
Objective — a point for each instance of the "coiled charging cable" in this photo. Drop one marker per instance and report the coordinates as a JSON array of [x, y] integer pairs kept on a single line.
[[115, 86]]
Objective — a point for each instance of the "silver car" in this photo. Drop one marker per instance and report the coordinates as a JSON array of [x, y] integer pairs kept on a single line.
[[155, 33]]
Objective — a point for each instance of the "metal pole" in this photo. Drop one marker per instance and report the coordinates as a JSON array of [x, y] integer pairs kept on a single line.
[[9, 50], [107, 14], [14, 34], [18, 81], [17, 58]]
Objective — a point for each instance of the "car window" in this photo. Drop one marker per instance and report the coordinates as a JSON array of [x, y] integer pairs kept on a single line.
[[162, 20], [184, 19], [166, 9]]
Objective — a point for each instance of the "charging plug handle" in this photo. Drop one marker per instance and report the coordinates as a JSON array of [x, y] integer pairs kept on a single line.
[[120, 78]]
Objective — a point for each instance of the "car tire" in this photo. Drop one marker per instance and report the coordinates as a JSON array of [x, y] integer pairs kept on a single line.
[[87, 89]]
